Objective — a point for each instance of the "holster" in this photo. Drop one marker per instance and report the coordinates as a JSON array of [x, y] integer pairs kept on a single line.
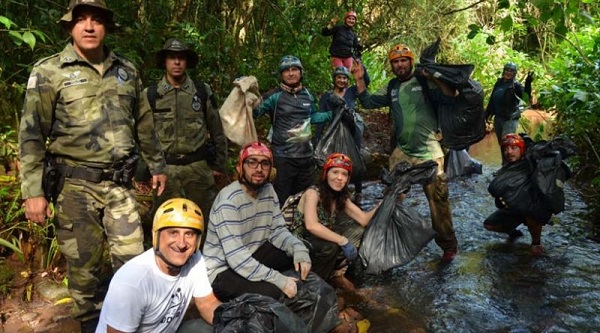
[[121, 175], [51, 181]]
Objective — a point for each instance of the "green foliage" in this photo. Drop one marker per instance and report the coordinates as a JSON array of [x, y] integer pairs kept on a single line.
[[8, 146], [6, 277], [490, 60], [575, 97]]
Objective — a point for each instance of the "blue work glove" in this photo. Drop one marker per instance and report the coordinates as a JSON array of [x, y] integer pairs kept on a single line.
[[349, 251]]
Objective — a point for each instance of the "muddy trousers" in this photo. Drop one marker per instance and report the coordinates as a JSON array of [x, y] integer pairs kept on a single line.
[[506, 221], [437, 197], [90, 216], [229, 284], [323, 255]]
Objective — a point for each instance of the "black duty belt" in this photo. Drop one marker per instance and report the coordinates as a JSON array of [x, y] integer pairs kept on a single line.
[[94, 175], [184, 159]]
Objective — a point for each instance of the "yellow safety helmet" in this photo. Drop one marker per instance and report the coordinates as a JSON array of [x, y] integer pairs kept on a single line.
[[177, 213]]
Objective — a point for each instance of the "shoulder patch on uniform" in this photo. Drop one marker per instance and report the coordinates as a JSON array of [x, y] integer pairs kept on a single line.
[[46, 59], [32, 82]]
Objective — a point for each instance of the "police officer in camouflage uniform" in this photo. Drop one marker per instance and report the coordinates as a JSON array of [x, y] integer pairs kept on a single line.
[[81, 120], [184, 122]]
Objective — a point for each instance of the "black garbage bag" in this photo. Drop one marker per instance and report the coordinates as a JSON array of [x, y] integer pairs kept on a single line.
[[513, 186], [460, 163], [463, 123], [430, 52], [455, 76], [551, 172], [338, 139], [254, 313], [397, 233], [315, 303], [549, 177]]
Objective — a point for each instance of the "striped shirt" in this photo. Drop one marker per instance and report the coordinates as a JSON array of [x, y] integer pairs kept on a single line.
[[239, 225]]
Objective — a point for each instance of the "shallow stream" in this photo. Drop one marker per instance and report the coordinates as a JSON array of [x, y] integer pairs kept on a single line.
[[492, 285]]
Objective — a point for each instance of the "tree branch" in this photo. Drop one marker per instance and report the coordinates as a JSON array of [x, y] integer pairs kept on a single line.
[[463, 9]]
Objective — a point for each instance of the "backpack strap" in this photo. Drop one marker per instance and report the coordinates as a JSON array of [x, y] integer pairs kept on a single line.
[[152, 95]]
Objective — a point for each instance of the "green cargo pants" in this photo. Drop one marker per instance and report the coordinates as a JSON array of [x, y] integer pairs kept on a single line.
[[437, 197]]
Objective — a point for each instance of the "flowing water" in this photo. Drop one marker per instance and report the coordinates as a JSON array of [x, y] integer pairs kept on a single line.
[[492, 285]]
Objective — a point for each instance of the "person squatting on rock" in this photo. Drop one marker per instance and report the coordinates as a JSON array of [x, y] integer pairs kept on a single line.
[[315, 218], [152, 292], [186, 117], [291, 108], [83, 103], [506, 220], [345, 46], [247, 245], [415, 126], [505, 101]]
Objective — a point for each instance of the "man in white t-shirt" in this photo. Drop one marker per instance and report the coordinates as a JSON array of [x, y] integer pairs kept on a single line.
[[152, 291]]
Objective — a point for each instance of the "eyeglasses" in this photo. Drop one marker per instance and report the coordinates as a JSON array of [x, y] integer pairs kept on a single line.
[[254, 163]]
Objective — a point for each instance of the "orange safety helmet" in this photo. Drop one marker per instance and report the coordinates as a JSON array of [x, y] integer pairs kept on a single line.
[[513, 139], [399, 51], [337, 160]]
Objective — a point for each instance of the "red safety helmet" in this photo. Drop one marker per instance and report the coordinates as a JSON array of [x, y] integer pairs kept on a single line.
[[513, 139], [337, 160], [351, 13], [254, 148]]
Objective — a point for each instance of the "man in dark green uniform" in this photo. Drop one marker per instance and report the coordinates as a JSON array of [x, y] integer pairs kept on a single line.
[[415, 127], [186, 116], [79, 131]]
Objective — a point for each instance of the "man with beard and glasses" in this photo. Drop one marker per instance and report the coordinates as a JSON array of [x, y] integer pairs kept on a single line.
[[291, 108], [247, 243], [415, 127]]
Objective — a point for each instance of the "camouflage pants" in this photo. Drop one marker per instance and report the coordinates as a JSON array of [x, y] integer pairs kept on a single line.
[[437, 197], [193, 181], [88, 214]]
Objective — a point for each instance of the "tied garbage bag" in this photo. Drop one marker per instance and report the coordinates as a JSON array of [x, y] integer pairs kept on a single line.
[[462, 122], [236, 111], [460, 163], [338, 139], [315, 303], [514, 188], [397, 233], [534, 185], [254, 313], [551, 172]]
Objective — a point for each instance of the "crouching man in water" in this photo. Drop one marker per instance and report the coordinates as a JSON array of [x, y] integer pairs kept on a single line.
[[248, 245], [506, 220], [152, 292]]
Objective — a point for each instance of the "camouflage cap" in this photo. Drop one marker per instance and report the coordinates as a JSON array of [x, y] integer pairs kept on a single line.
[[99, 4], [175, 45]]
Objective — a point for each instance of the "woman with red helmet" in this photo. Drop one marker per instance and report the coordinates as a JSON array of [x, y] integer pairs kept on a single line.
[[316, 215], [345, 46]]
